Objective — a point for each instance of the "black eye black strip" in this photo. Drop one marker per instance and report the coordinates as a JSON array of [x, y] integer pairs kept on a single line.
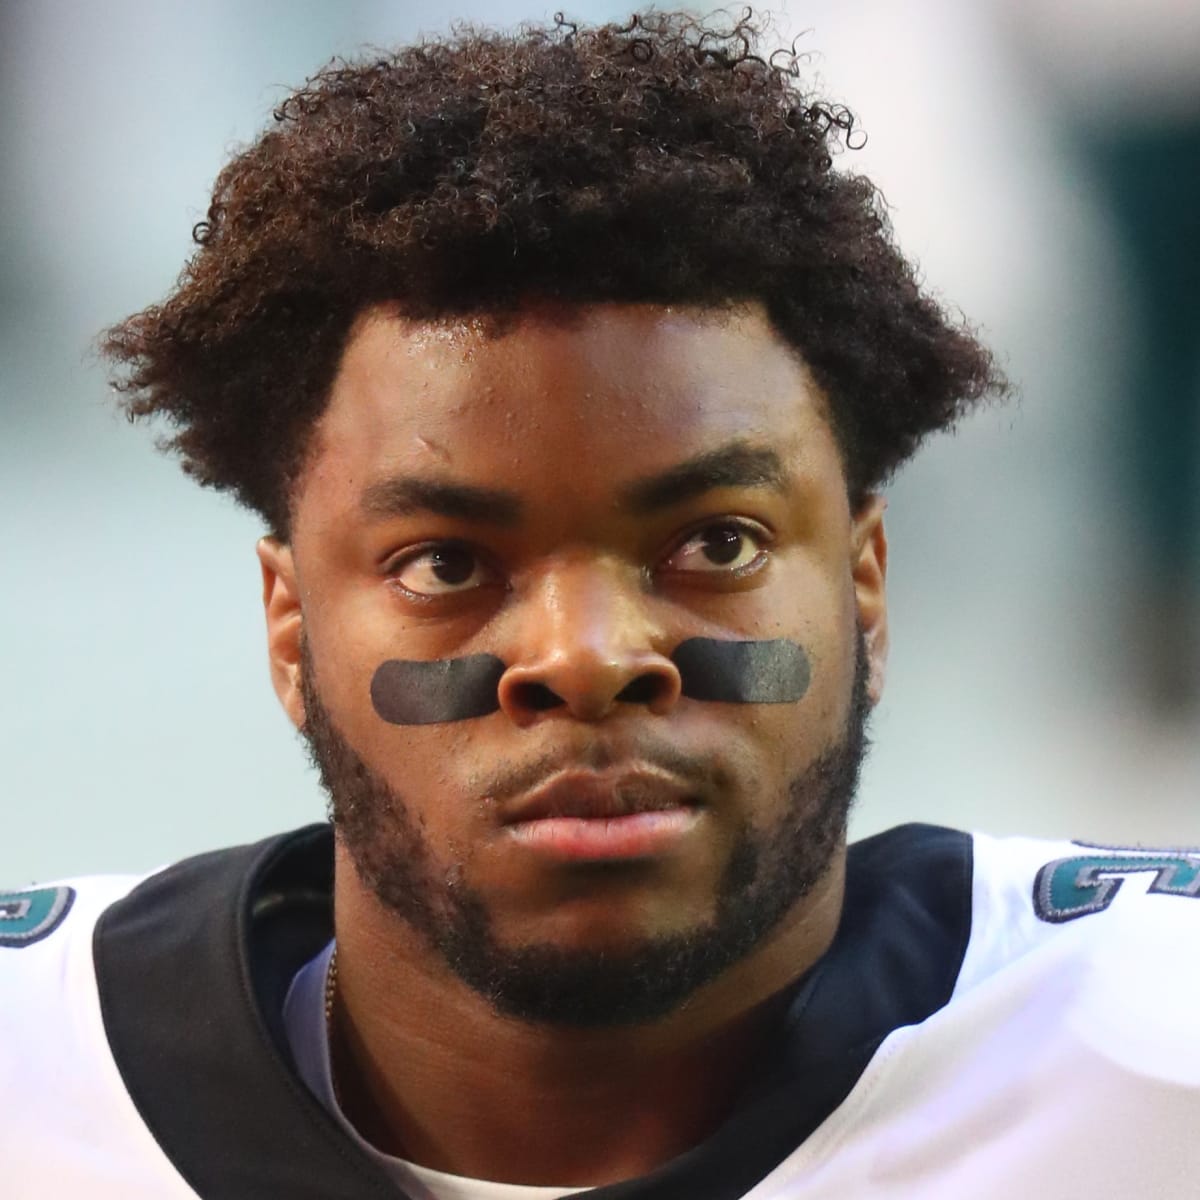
[[458, 689], [772, 672], [429, 693]]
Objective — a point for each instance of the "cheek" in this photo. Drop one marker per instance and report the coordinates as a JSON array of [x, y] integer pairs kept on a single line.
[[351, 631], [829, 634], [791, 736]]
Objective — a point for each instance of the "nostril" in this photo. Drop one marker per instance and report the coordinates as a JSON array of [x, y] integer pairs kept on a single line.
[[643, 690], [536, 697]]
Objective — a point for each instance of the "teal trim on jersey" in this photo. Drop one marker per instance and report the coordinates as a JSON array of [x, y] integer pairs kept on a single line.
[[27, 917], [1074, 887]]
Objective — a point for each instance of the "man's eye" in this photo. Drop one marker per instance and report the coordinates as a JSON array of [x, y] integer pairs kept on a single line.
[[441, 570], [725, 546]]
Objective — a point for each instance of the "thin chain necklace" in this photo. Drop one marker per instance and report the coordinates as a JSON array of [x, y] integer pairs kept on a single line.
[[331, 975]]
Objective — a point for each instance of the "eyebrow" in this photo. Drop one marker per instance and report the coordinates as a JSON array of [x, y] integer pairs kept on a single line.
[[406, 495], [734, 465]]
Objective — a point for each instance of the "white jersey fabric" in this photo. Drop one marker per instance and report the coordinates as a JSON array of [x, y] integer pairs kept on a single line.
[[996, 1018]]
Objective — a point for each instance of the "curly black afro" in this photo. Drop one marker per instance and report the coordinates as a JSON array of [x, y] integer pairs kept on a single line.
[[665, 160]]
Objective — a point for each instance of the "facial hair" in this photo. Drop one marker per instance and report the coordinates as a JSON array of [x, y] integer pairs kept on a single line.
[[768, 872]]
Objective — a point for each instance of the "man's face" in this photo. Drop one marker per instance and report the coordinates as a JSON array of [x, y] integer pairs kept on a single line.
[[577, 497]]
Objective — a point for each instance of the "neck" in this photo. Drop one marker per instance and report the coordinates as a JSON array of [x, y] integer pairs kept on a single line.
[[429, 1071]]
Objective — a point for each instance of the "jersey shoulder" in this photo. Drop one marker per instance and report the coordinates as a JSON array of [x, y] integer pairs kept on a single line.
[[1105, 935], [73, 1128], [1066, 1060], [47, 976]]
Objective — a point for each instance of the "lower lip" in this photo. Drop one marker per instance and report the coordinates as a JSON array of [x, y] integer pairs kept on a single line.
[[595, 839]]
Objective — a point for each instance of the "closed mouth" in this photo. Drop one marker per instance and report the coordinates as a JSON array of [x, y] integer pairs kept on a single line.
[[600, 795]]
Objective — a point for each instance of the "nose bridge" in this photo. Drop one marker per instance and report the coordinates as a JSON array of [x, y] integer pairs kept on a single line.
[[587, 638], [584, 606]]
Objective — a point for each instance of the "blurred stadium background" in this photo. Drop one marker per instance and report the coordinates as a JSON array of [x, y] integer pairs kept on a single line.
[[1045, 660]]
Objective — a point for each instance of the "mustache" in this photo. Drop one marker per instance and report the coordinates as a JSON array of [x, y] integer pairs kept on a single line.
[[700, 775]]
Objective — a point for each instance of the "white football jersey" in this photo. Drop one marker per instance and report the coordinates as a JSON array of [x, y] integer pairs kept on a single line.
[[996, 1018]]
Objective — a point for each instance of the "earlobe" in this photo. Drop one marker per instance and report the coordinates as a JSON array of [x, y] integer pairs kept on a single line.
[[869, 571], [285, 625]]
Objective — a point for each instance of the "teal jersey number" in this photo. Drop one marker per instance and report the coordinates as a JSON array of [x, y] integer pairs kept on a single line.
[[1074, 887], [27, 917]]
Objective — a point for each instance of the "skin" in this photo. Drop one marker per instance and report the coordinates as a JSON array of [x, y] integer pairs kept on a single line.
[[567, 411]]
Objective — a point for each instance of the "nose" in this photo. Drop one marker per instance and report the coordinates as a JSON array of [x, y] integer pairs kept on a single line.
[[586, 645]]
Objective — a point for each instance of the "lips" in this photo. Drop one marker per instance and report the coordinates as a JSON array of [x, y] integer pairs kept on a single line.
[[590, 817], [600, 795]]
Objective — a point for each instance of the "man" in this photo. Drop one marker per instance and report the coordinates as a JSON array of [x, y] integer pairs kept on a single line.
[[565, 374]]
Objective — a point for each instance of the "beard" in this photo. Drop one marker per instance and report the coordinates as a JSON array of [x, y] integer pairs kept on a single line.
[[768, 872]]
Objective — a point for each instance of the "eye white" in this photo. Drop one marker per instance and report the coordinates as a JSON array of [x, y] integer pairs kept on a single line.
[[719, 547], [441, 570]]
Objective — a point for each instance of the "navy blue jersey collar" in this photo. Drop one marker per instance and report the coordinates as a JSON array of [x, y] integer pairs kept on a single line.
[[194, 964]]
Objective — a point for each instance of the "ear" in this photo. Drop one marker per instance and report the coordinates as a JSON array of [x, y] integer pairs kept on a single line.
[[285, 625], [869, 571]]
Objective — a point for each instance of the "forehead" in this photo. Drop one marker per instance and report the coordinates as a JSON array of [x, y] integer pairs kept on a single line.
[[570, 400]]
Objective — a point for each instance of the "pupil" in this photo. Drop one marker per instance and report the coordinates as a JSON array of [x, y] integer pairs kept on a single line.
[[453, 564], [723, 545]]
